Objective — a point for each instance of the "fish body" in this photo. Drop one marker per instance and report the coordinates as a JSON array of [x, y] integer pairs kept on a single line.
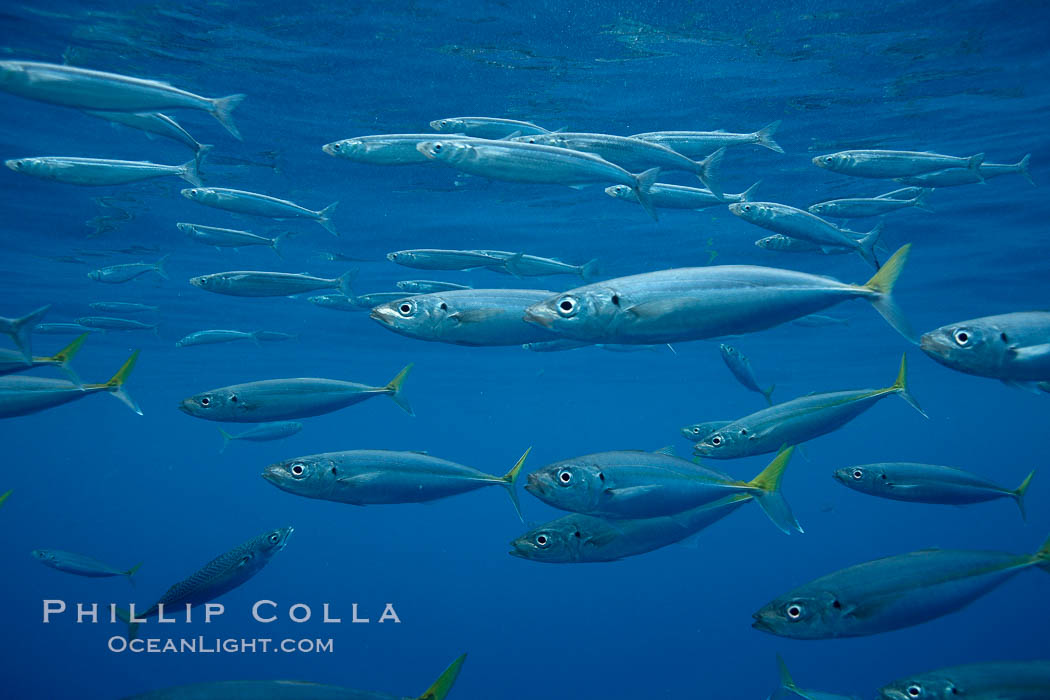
[[285, 399], [859, 207], [798, 420], [428, 286], [94, 172], [485, 127], [80, 564], [706, 302], [213, 336], [435, 259], [479, 317], [699, 143], [894, 164], [954, 177], [522, 265], [122, 307], [229, 238], [680, 197], [20, 330], [383, 149], [1013, 348], [254, 204], [118, 274], [154, 123], [820, 321], [109, 323], [997, 680], [63, 329], [250, 283], [371, 299], [740, 366], [21, 395], [264, 432], [337, 302], [98, 91], [786, 244]]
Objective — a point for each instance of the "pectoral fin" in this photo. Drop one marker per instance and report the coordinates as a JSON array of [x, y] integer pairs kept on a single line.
[[476, 315], [626, 494], [655, 309]]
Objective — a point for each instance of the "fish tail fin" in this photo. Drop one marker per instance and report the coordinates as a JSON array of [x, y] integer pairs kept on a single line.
[[882, 283], [1042, 557], [901, 387], [866, 245], [394, 389], [115, 385], [764, 137], [441, 687], [1022, 168], [278, 243], [158, 267], [22, 330], [974, 165], [222, 109], [510, 481], [130, 573], [346, 283], [513, 265], [324, 217], [63, 356], [1020, 491], [226, 437], [786, 681], [768, 393], [920, 200], [643, 185], [708, 171], [203, 149], [590, 270], [769, 496], [125, 617], [748, 194], [189, 172]]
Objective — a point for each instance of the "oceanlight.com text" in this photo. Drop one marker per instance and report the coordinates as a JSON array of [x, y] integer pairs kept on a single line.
[[219, 645]]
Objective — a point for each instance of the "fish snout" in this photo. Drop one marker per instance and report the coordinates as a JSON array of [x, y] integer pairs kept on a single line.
[[13, 164], [272, 474], [537, 315], [519, 549], [186, 406], [384, 313], [330, 148], [760, 623], [737, 209]]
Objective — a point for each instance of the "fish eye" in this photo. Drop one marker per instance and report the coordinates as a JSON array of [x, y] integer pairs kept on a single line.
[[542, 540], [437, 148], [794, 611], [337, 147], [914, 691], [828, 159], [566, 306], [298, 469], [716, 440], [205, 401], [274, 538], [696, 431], [405, 309], [444, 306], [565, 476], [443, 122], [746, 207], [962, 337], [858, 474]]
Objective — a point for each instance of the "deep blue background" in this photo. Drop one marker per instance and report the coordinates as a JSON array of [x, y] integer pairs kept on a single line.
[[91, 477]]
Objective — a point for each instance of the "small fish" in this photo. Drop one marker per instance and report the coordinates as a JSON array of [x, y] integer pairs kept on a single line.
[[21, 395], [337, 302], [95, 90], [264, 432], [63, 329], [286, 399], [927, 483], [954, 177], [819, 321], [521, 265], [485, 127], [94, 172], [698, 143], [274, 336], [21, 329], [231, 238], [892, 593], [12, 361], [860, 207], [371, 477], [122, 307], [786, 244], [799, 420], [376, 298], [428, 286], [80, 565], [213, 336], [998, 680], [108, 323], [740, 366], [242, 202], [894, 164], [434, 259], [219, 576], [679, 197], [250, 283], [382, 149], [698, 431], [155, 123], [908, 192], [118, 274], [1013, 348], [788, 688]]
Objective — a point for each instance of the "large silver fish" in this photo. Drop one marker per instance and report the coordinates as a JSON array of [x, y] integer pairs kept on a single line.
[[80, 564], [997, 680], [95, 172], [485, 127], [21, 395], [859, 207], [437, 259], [895, 164], [1014, 348], [699, 143], [242, 202], [680, 197], [110, 323], [524, 265], [252, 283], [383, 149], [231, 238]]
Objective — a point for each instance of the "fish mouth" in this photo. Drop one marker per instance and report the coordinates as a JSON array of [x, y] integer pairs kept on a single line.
[[383, 314], [817, 162], [188, 193], [13, 164], [184, 406], [929, 344], [761, 625], [538, 318], [197, 282], [327, 148], [270, 474], [424, 148], [737, 209], [435, 125], [519, 550]]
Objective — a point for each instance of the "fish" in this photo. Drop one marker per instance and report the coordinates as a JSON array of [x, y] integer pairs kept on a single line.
[[12, 361], [954, 177], [698, 143], [221, 575], [20, 330], [108, 323], [95, 90], [122, 307], [375, 477], [337, 302], [799, 420], [485, 127], [264, 432], [428, 286], [95, 172], [927, 483], [894, 164], [563, 344], [294, 690], [63, 329], [333, 256], [118, 274], [788, 688], [383, 149], [231, 238], [698, 431], [478, 317], [680, 197], [251, 283], [632, 484], [740, 366], [241, 202], [21, 395], [892, 593], [213, 336], [373, 299], [287, 399], [796, 223], [997, 680], [275, 336], [819, 321], [708, 302], [155, 123], [859, 207], [521, 265], [786, 244], [533, 163], [435, 259], [635, 155], [80, 564], [1013, 348], [908, 192]]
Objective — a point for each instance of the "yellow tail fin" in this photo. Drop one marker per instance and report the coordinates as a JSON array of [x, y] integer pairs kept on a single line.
[[442, 686], [510, 480], [882, 283], [115, 385], [394, 387], [901, 387], [1019, 493], [769, 496]]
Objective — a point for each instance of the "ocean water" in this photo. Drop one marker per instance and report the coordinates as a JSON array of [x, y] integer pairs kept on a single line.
[[92, 477]]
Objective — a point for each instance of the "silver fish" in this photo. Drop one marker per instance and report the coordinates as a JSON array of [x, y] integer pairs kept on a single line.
[[285, 399], [428, 286], [118, 274], [63, 329], [679, 197], [786, 244], [95, 90], [213, 336], [894, 164], [250, 283], [522, 265], [155, 123], [109, 323], [122, 307], [93, 172], [740, 366], [698, 143], [999, 680], [436, 259], [1014, 348], [21, 396], [242, 202], [12, 361], [698, 431], [859, 207], [20, 329], [80, 564], [957, 176], [264, 432], [485, 127], [231, 238], [383, 149], [338, 302]]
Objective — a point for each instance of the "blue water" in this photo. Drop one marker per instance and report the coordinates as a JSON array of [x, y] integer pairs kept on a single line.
[[92, 477]]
